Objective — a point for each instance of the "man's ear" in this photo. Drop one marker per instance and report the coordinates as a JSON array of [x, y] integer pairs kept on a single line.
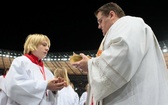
[[111, 14]]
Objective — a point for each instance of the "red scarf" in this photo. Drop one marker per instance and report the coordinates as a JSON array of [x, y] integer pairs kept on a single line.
[[35, 60]]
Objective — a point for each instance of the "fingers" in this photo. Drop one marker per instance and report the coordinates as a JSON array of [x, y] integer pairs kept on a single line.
[[76, 64], [83, 55], [60, 79], [56, 84], [59, 86]]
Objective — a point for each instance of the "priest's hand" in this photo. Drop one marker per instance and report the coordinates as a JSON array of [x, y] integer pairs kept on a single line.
[[82, 64]]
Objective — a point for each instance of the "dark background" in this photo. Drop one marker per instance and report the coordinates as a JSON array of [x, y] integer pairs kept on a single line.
[[71, 25]]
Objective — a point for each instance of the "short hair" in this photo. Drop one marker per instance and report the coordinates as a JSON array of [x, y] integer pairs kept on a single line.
[[32, 41], [111, 6]]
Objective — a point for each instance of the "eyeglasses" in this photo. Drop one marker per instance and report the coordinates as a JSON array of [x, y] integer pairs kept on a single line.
[[99, 21]]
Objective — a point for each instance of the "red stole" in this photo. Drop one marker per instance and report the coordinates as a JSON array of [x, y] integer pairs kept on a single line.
[[35, 60], [99, 52]]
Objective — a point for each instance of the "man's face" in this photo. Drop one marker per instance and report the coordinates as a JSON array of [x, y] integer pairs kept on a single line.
[[104, 22]]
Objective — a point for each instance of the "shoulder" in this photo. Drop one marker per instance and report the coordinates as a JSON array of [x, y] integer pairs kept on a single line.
[[127, 23], [132, 19], [84, 94], [21, 60]]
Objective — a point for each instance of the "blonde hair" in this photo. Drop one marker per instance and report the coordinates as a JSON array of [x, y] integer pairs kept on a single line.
[[33, 40], [72, 85], [87, 87], [62, 72]]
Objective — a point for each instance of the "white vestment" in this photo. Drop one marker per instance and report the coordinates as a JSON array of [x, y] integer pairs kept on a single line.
[[25, 84], [83, 98], [131, 70], [3, 96], [67, 96]]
